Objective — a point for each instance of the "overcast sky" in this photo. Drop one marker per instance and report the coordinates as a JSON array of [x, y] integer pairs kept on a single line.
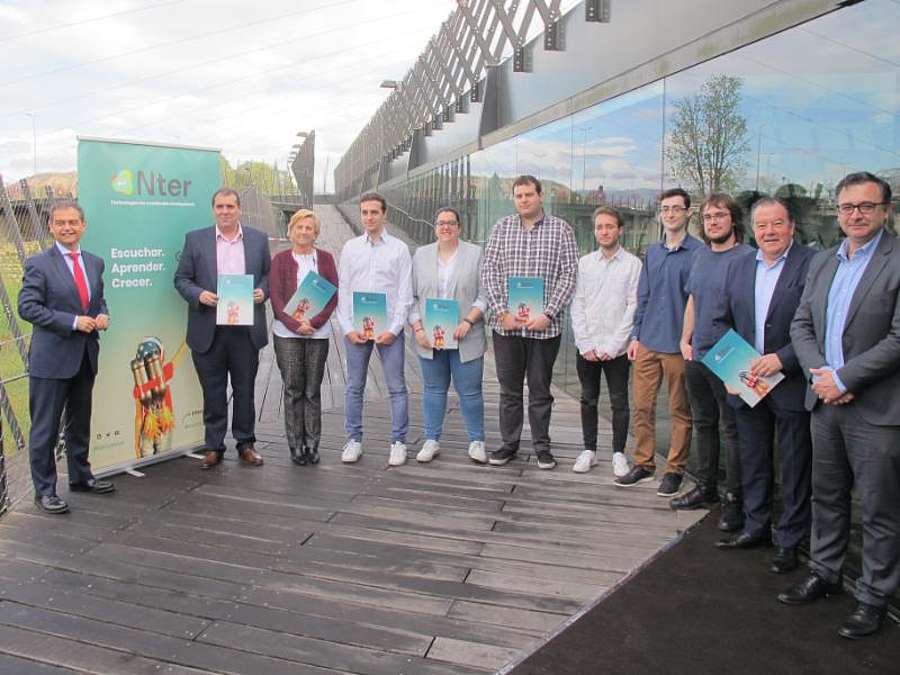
[[240, 75]]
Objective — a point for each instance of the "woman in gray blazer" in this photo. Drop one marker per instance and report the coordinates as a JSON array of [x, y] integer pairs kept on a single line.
[[449, 269]]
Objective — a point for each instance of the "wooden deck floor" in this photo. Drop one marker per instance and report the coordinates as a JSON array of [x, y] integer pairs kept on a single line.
[[447, 567]]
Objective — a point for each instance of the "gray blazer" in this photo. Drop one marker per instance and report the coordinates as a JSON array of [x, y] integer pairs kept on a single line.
[[871, 338], [465, 288]]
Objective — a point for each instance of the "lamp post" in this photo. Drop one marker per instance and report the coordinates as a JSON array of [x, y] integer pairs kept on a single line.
[[33, 117]]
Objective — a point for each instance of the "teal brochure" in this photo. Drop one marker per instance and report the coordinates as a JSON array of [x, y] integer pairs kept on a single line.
[[526, 297], [730, 360], [369, 314], [310, 298], [235, 306], [441, 319]]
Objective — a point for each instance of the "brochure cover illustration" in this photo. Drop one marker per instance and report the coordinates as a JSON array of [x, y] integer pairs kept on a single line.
[[310, 298], [526, 297], [369, 313], [441, 319], [730, 360], [235, 306]]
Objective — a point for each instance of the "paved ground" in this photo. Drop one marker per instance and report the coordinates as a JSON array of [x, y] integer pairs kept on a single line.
[[441, 568]]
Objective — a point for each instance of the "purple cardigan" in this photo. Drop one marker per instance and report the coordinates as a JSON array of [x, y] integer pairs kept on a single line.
[[283, 284]]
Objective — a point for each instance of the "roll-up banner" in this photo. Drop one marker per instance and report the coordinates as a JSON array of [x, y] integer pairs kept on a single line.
[[139, 201]]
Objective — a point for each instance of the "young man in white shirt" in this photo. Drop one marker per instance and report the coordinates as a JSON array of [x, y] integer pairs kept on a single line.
[[602, 319], [375, 262]]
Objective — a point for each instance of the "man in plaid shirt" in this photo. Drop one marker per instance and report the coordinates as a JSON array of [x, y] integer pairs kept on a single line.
[[528, 243]]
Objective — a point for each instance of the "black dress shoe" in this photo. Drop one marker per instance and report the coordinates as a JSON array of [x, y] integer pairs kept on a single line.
[[732, 516], [696, 498], [51, 504], [745, 540], [812, 588], [784, 560], [865, 620], [298, 456], [98, 487], [312, 455]]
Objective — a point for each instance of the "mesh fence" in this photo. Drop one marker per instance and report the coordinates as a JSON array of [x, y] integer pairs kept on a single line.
[[23, 232]]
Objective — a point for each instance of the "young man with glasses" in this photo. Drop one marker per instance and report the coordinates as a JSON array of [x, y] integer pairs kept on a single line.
[[654, 348], [846, 335], [703, 326]]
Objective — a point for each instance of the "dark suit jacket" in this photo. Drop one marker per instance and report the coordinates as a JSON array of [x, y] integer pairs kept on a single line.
[[741, 315], [49, 301], [871, 338], [283, 285], [197, 272]]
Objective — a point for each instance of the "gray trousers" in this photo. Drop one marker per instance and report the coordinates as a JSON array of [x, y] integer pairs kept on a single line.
[[849, 452], [302, 365], [518, 358]]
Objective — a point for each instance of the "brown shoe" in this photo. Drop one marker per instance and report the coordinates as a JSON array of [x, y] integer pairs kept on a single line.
[[212, 458], [251, 456]]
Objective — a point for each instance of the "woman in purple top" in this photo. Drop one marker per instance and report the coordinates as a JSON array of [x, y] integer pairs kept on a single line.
[[301, 341]]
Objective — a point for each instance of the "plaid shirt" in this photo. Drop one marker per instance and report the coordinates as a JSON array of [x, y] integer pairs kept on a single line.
[[547, 250]]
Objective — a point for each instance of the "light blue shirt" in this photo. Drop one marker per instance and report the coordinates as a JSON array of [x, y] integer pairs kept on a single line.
[[766, 279], [66, 254], [846, 279]]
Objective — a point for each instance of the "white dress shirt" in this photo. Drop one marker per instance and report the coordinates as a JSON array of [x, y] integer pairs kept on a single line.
[[305, 265], [369, 266], [604, 302]]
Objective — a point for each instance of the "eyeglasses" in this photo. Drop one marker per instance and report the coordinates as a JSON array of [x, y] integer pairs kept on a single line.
[[718, 215], [675, 210], [865, 208]]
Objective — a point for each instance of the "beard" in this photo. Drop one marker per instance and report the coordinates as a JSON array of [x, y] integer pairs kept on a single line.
[[721, 239]]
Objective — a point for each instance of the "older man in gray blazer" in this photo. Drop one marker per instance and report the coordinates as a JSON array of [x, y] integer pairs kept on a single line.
[[449, 269], [846, 335]]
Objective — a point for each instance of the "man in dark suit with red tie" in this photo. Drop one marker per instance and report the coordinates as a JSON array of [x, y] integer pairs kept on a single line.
[[62, 297]]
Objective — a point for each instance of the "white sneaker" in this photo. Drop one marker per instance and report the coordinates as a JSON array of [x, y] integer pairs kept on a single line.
[[585, 461], [352, 452], [398, 454], [620, 464], [477, 453], [430, 450]]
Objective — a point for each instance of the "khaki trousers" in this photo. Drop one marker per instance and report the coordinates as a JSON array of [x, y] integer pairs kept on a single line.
[[649, 368]]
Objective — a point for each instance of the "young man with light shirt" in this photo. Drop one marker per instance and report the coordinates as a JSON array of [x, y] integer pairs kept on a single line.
[[654, 348], [375, 262], [602, 319]]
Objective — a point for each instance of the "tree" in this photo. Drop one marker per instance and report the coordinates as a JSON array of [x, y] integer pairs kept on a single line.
[[708, 142], [266, 178]]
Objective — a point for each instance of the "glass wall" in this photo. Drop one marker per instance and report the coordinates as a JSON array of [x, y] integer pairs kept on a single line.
[[786, 116]]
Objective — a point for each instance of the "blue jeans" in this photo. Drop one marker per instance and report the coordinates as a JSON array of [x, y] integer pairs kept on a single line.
[[436, 374], [391, 356]]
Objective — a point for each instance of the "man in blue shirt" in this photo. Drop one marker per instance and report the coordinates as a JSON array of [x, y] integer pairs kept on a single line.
[[762, 292], [703, 326], [654, 347], [846, 335]]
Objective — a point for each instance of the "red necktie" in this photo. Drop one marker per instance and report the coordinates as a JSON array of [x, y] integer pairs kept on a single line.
[[80, 282]]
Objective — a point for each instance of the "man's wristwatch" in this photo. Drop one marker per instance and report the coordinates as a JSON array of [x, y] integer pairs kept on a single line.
[[468, 321]]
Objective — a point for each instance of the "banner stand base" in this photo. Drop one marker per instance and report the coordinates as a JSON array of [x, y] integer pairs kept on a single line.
[[134, 473], [194, 455]]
